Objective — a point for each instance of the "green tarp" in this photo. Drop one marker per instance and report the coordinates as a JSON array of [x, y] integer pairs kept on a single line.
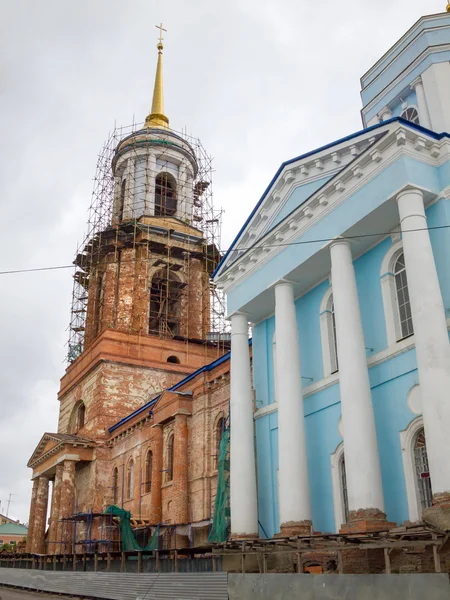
[[221, 521], [129, 542]]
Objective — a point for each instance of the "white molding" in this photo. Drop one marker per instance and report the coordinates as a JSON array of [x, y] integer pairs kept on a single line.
[[407, 437], [336, 482], [389, 293], [390, 150], [403, 76]]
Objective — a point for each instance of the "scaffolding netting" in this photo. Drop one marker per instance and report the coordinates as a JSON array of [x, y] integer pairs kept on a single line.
[[129, 542], [221, 521]]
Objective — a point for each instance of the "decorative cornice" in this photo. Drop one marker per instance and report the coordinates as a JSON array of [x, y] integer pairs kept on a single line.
[[399, 140]]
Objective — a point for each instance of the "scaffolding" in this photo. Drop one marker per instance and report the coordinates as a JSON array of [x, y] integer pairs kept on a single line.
[[78, 533], [119, 219]]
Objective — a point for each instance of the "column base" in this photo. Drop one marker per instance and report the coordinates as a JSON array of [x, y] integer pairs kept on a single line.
[[244, 536], [438, 514], [294, 528], [367, 520]]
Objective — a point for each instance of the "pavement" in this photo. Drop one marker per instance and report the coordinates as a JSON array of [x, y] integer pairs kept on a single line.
[[6, 594]]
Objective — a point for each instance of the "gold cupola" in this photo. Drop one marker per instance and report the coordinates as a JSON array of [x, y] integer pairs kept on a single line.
[[157, 119]]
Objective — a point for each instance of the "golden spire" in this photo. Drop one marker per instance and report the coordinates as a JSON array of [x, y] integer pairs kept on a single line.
[[448, 7], [157, 118]]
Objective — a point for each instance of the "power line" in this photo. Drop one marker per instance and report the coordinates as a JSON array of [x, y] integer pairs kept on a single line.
[[278, 245]]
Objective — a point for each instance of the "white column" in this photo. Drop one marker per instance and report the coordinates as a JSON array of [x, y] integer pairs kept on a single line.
[[243, 495], [424, 115], [362, 463], [386, 114], [430, 334], [150, 185], [294, 496]]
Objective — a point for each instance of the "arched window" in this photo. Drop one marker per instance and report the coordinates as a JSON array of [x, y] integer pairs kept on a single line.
[[220, 428], [122, 200], [115, 485], [422, 470], [165, 195], [148, 472], [344, 491], [339, 484], [328, 334], [165, 304], [130, 479], [411, 114], [173, 359], [81, 415], [415, 463], [403, 303], [394, 290], [170, 449]]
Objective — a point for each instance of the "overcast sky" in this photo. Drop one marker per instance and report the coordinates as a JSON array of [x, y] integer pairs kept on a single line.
[[258, 81]]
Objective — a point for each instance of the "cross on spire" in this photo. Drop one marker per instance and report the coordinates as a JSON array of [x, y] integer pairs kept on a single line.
[[161, 29]]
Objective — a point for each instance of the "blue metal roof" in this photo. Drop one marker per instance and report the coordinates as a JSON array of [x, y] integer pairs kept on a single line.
[[311, 153]]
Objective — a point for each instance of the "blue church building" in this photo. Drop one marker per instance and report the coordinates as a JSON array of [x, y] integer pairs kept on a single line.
[[341, 419]]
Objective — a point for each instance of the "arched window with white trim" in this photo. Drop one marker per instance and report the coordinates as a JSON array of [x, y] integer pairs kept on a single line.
[[403, 302], [416, 469], [422, 470], [395, 294], [328, 334], [339, 484]]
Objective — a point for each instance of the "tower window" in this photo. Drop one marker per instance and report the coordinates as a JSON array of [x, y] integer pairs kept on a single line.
[[404, 305], [422, 470], [165, 305], [411, 114], [81, 416], [122, 199], [165, 195]]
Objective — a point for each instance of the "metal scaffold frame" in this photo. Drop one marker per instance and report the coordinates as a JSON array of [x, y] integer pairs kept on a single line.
[[103, 228]]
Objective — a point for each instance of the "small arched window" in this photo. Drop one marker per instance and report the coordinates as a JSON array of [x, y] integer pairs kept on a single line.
[[81, 416], [170, 457], [411, 114], [344, 491], [173, 359], [165, 195], [404, 306], [115, 485], [422, 470], [130, 479], [148, 472], [220, 428], [122, 199]]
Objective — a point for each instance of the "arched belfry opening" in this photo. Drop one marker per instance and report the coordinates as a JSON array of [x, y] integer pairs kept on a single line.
[[165, 195], [165, 304]]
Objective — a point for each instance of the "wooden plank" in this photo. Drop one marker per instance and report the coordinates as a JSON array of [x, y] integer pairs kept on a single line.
[[387, 561]]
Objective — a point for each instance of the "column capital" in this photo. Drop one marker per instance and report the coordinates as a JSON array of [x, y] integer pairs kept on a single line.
[[417, 81], [341, 241], [385, 114], [408, 191], [284, 281]]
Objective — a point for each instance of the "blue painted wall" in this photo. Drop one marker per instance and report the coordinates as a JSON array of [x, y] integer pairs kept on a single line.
[[390, 382]]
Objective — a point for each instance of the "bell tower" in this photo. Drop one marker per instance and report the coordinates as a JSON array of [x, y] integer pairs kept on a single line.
[[144, 311]]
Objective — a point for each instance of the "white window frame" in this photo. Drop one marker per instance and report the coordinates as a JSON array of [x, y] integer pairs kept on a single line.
[[389, 294], [336, 482], [329, 354], [407, 441]]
